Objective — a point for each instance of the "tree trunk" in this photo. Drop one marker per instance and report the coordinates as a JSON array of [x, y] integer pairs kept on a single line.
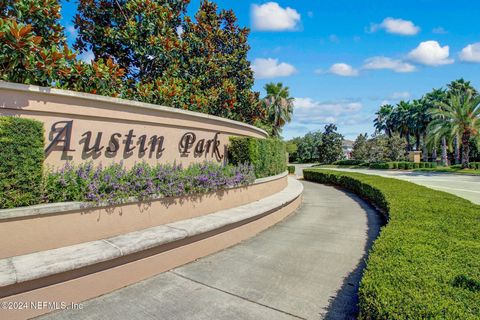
[[465, 150], [417, 142], [456, 150], [444, 152], [434, 154], [408, 147], [424, 148]]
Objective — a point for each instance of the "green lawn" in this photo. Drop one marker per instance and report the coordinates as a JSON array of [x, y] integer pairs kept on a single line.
[[426, 262]]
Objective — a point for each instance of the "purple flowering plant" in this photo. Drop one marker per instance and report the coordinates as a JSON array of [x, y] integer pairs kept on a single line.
[[114, 183]]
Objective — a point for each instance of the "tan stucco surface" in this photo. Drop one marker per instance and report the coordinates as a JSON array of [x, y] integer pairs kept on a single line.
[[38, 233], [105, 116]]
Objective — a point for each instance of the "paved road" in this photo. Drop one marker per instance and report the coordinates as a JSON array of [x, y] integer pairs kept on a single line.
[[299, 168], [306, 267], [464, 186]]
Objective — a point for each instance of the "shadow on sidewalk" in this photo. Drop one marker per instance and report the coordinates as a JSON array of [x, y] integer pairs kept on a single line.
[[344, 305]]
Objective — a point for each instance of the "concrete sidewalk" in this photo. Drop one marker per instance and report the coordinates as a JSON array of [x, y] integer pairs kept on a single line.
[[307, 267]]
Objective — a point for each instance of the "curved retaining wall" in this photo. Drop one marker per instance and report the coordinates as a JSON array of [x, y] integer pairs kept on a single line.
[[85, 127], [52, 226]]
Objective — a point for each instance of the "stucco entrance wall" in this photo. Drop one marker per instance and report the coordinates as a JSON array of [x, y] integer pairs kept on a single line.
[[83, 127]]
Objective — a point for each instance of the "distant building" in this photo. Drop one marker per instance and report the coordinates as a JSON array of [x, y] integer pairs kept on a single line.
[[347, 146]]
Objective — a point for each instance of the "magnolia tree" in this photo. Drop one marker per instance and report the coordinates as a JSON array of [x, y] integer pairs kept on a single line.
[[146, 50], [170, 59], [34, 51]]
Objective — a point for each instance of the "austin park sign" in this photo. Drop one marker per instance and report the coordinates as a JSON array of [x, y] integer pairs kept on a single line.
[[131, 143]]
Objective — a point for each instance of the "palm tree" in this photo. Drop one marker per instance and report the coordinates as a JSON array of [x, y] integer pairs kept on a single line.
[[421, 118], [403, 121], [433, 99], [458, 117], [279, 106], [383, 121], [459, 87]]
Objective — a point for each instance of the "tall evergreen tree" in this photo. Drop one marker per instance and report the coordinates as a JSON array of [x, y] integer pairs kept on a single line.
[[330, 150]]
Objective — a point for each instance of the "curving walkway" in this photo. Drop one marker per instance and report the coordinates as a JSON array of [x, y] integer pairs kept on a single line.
[[306, 267]]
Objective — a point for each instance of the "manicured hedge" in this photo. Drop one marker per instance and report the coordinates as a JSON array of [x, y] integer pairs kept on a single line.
[[402, 165], [268, 156], [474, 165], [425, 263], [348, 162], [291, 169], [21, 161]]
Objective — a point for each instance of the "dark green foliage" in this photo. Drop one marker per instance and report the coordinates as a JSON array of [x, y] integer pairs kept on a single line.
[[360, 147], [21, 161], [424, 264], [348, 162], [475, 165], [402, 165], [330, 149], [291, 169], [379, 165], [268, 156]]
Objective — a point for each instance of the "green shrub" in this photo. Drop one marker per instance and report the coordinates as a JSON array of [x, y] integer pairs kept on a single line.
[[456, 166], [424, 264], [394, 165], [21, 161], [348, 162], [291, 169], [416, 165], [365, 164], [433, 164], [421, 165], [379, 165], [268, 156]]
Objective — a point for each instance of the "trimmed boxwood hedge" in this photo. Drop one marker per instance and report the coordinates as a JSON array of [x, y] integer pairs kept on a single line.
[[291, 169], [425, 264], [348, 162], [268, 156], [402, 165], [21, 161]]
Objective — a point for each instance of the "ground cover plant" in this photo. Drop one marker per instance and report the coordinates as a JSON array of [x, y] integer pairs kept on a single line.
[[115, 183], [424, 264]]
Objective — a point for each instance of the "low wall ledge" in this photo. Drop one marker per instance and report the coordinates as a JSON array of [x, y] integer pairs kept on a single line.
[[45, 263], [65, 207], [88, 96]]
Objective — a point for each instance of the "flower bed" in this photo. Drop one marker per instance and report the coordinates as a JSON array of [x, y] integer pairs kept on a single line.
[[114, 183], [425, 263]]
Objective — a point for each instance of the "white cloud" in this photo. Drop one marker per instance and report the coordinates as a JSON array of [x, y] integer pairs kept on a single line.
[[87, 56], [342, 69], [400, 95], [271, 68], [380, 62], [431, 53], [439, 30], [333, 38], [71, 32], [271, 17], [471, 53], [179, 30], [396, 26], [311, 112]]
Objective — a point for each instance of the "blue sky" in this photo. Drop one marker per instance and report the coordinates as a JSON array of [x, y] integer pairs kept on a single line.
[[342, 59]]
